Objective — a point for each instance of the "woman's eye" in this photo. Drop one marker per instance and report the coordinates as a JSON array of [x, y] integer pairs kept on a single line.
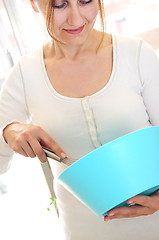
[[86, 2], [59, 4]]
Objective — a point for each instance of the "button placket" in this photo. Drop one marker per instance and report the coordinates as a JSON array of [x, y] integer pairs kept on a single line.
[[90, 122]]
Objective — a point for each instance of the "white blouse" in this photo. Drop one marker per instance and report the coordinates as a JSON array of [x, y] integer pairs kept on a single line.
[[128, 102]]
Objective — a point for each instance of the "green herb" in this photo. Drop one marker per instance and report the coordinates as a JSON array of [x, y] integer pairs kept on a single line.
[[53, 201]]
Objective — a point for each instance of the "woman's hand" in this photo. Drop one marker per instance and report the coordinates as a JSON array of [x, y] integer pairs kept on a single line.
[[26, 139], [148, 206]]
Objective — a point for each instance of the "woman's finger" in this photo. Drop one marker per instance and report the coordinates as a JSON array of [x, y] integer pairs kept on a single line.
[[143, 205], [127, 212], [19, 150], [48, 142], [37, 149], [151, 202], [21, 145], [27, 148]]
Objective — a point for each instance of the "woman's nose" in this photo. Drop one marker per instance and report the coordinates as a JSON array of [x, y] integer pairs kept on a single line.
[[74, 17]]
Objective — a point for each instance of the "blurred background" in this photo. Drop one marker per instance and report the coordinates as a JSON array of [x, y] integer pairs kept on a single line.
[[24, 196], [21, 30]]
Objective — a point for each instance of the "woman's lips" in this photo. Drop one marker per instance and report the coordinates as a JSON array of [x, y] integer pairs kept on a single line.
[[74, 31]]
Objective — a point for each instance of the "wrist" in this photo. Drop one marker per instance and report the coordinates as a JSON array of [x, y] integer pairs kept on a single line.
[[5, 128]]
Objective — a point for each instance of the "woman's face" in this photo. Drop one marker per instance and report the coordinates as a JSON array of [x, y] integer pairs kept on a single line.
[[73, 19]]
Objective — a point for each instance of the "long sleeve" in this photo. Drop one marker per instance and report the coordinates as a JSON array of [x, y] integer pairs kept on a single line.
[[149, 72], [13, 107]]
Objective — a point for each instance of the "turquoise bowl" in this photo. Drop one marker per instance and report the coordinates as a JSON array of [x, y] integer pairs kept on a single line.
[[108, 176]]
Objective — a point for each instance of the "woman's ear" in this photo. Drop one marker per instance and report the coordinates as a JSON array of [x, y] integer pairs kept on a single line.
[[34, 6]]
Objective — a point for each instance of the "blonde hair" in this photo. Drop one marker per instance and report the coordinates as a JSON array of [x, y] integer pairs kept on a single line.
[[50, 24]]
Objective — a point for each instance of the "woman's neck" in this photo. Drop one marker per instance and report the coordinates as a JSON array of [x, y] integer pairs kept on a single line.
[[73, 53]]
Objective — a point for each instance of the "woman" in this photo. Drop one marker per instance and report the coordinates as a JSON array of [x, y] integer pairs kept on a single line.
[[82, 89]]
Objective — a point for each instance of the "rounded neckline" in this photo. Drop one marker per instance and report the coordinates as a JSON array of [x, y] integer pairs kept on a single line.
[[52, 89]]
